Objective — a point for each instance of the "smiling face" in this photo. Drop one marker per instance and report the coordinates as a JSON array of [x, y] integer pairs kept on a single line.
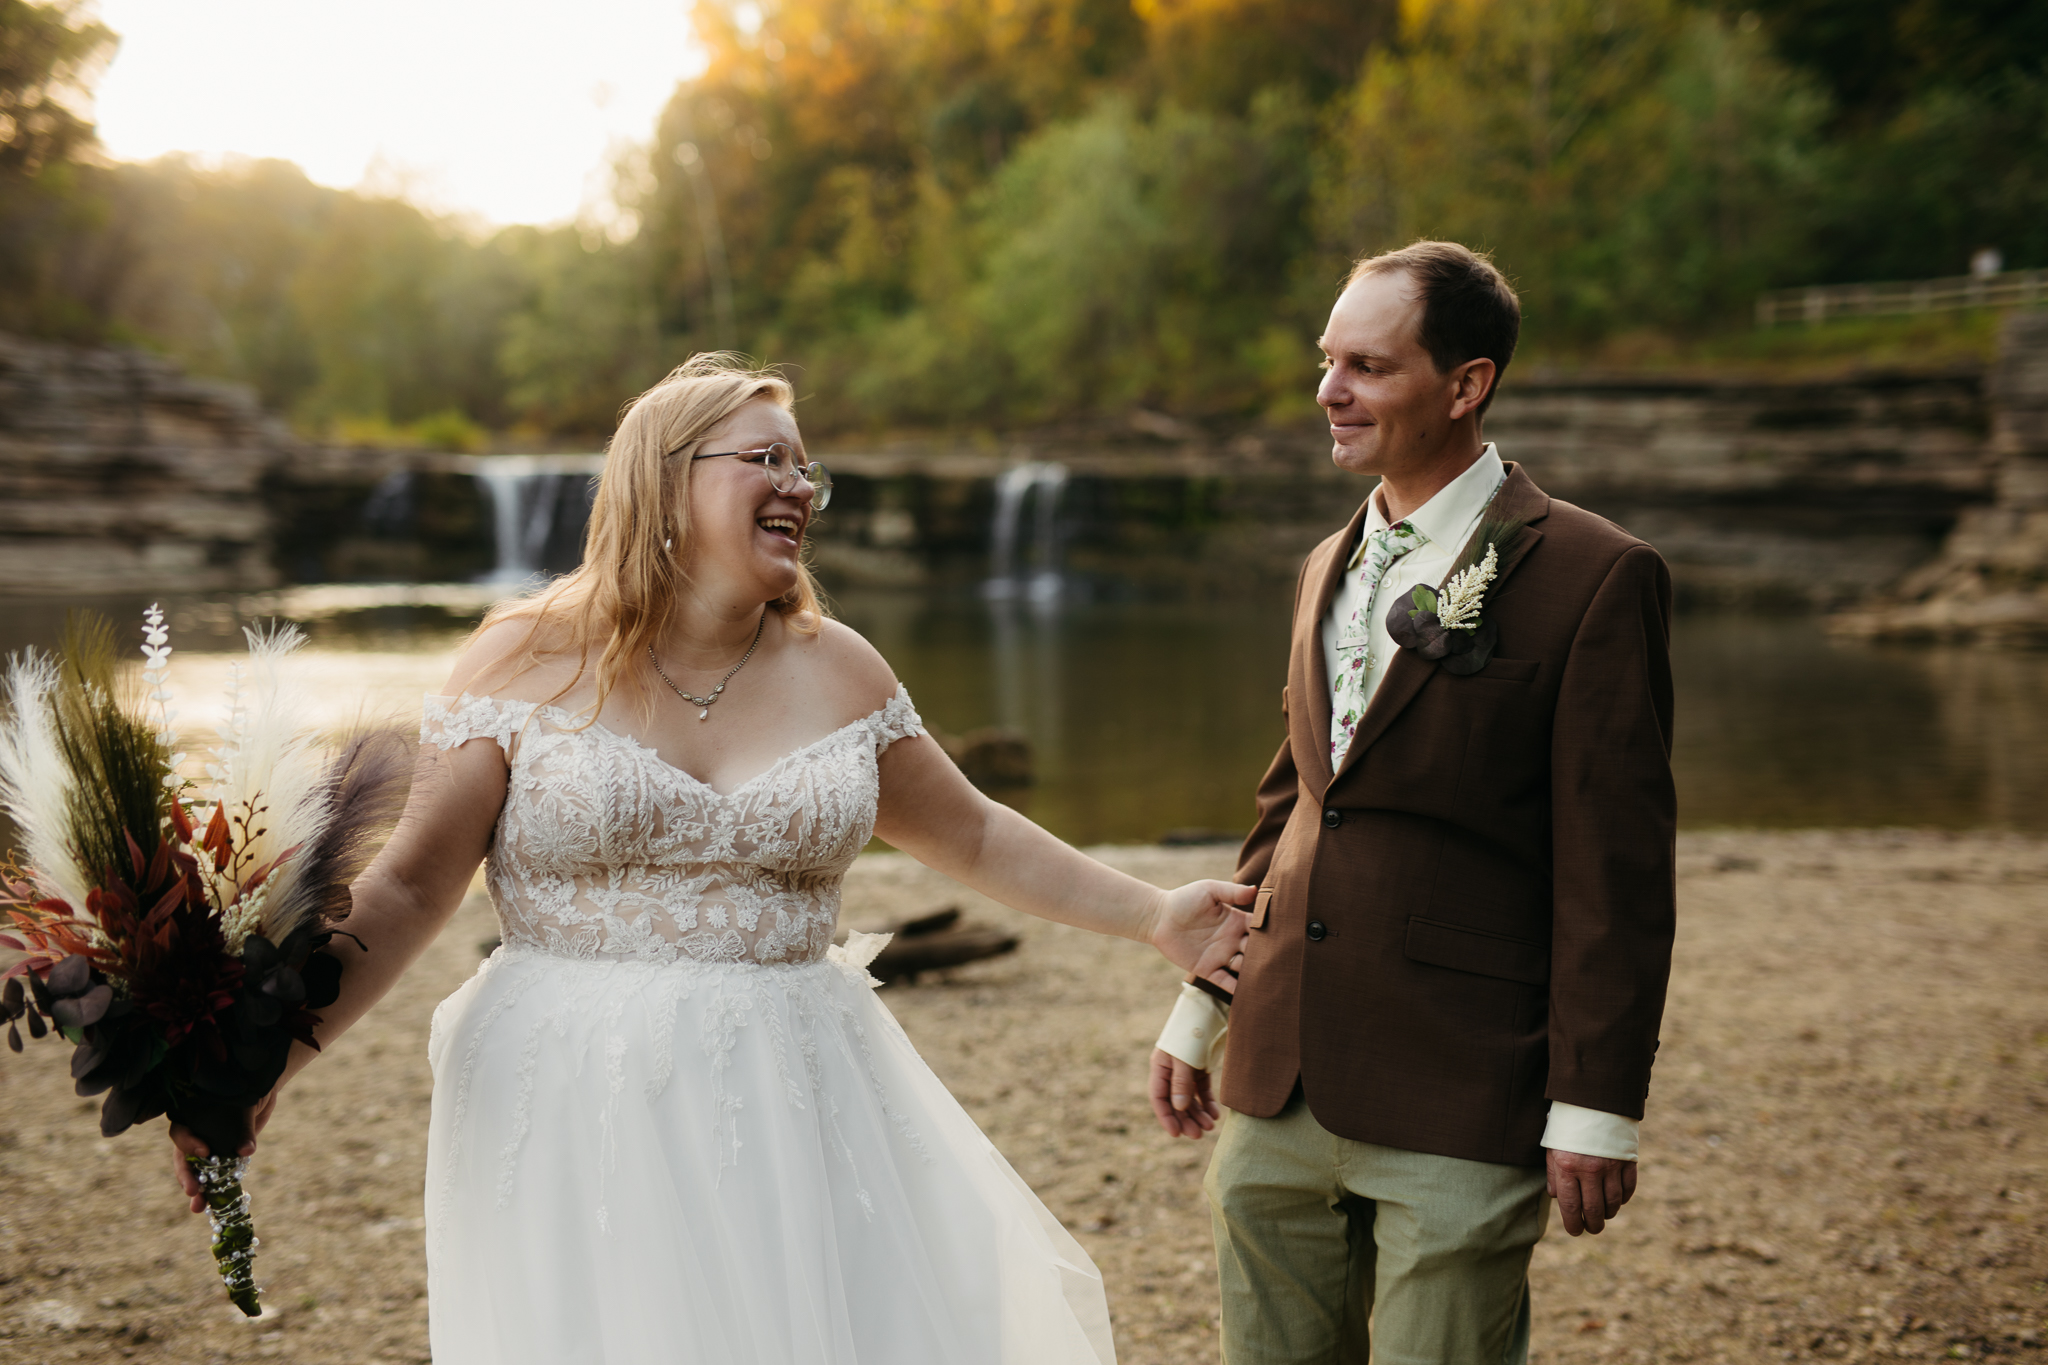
[[1392, 412], [741, 531]]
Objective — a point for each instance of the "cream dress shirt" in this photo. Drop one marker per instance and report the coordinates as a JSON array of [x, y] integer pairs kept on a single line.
[[1196, 1029]]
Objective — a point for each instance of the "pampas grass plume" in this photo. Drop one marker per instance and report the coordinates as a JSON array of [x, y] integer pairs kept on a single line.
[[36, 784]]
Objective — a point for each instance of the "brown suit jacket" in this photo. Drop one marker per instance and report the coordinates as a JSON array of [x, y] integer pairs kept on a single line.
[[1473, 915]]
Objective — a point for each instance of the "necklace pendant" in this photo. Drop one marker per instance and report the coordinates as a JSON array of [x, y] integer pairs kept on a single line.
[[705, 714]]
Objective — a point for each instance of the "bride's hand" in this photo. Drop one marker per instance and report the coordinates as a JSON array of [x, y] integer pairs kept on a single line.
[[188, 1145], [1201, 927]]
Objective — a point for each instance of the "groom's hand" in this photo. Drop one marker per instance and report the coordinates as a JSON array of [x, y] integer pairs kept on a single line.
[[1589, 1190], [1180, 1097], [1202, 927]]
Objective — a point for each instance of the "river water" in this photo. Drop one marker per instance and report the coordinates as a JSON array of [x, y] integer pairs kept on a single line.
[[1148, 718]]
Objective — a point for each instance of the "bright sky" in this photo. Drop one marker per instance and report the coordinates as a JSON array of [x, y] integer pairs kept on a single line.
[[503, 108]]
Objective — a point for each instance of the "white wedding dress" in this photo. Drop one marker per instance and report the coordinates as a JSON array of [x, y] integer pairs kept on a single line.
[[673, 1123]]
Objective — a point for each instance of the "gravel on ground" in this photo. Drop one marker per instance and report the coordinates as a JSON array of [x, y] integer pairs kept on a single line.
[[1844, 1157]]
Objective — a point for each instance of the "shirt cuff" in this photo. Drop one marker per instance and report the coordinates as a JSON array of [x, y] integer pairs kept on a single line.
[[1589, 1132], [1195, 1030]]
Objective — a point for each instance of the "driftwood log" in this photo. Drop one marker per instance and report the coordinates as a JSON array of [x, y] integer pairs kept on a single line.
[[935, 939], [992, 757]]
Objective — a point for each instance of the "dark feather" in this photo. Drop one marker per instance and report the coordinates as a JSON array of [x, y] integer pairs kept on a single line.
[[363, 792], [1499, 532]]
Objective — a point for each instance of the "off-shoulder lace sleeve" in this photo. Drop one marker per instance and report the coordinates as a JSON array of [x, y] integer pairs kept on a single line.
[[448, 721], [898, 719]]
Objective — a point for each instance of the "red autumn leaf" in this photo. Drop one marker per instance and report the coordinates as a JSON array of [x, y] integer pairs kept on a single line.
[[160, 914], [216, 839], [268, 868], [159, 864]]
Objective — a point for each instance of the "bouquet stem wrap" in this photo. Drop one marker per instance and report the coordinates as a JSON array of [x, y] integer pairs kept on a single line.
[[234, 1233]]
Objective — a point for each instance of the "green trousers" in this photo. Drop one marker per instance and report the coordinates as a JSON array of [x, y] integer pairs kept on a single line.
[[1334, 1252]]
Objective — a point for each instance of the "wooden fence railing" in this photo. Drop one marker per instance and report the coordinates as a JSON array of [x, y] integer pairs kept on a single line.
[[1820, 302]]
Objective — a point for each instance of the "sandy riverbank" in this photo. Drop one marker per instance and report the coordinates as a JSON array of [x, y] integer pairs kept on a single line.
[[1846, 1157]]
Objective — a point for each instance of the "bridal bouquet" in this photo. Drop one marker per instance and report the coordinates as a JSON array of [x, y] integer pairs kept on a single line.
[[175, 942]]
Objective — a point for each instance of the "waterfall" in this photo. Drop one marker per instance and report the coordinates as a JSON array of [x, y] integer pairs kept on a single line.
[[1014, 486], [525, 492]]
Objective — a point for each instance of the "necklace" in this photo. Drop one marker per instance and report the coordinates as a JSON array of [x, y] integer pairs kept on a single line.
[[705, 702]]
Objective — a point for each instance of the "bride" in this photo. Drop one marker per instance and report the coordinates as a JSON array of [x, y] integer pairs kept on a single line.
[[670, 1121]]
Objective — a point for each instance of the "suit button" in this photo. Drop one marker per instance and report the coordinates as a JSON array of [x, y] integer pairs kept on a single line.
[[1316, 930], [1332, 819]]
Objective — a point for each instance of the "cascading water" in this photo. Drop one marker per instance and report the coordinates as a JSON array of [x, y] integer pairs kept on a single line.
[[525, 493], [1015, 486]]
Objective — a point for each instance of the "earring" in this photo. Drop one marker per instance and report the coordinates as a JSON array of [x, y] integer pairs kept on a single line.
[[668, 543]]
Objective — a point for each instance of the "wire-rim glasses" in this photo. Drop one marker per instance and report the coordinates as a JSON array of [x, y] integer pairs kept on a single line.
[[779, 463]]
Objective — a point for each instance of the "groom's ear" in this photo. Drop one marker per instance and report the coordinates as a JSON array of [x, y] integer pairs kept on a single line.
[[1471, 383]]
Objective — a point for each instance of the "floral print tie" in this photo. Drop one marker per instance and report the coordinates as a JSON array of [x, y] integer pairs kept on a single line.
[[1354, 644]]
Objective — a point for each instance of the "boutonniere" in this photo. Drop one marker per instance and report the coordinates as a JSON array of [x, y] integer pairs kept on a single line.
[[1446, 625]]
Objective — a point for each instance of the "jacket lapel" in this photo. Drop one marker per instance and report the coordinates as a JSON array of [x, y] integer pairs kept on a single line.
[[1519, 499], [1312, 749]]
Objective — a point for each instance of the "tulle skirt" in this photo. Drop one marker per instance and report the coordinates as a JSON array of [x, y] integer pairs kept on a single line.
[[737, 1165]]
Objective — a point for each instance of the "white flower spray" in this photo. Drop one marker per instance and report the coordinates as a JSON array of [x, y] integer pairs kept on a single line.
[[1458, 609], [156, 654]]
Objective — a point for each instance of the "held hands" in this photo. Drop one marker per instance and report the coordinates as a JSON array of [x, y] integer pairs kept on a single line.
[[1202, 927], [1589, 1189], [188, 1145]]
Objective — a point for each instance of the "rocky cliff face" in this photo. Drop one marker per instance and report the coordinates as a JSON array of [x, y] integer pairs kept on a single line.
[[1990, 582], [1803, 493], [1806, 495], [118, 472]]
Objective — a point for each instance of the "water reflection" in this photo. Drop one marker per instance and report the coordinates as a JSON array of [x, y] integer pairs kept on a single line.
[[1150, 717], [1779, 725]]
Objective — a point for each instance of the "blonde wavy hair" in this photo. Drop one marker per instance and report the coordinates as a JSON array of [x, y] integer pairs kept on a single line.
[[615, 603]]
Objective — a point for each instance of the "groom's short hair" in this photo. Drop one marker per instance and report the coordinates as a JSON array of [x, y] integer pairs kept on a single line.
[[1469, 309]]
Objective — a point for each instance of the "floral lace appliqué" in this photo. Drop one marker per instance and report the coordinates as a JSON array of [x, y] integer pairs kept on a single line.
[[605, 851]]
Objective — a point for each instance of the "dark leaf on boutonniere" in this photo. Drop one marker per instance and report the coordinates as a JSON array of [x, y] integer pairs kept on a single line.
[[1412, 623], [1479, 648]]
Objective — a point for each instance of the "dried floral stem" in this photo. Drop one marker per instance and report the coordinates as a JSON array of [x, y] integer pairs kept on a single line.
[[234, 1233], [1458, 609]]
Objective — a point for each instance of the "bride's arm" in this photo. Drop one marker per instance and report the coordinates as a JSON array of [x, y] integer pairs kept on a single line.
[[931, 811], [404, 898]]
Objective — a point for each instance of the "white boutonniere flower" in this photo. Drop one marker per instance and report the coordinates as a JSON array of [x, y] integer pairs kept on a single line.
[[1446, 625], [1465, 593]]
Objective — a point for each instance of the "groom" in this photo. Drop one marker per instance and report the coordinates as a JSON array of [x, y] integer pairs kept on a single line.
[[1464, 852]]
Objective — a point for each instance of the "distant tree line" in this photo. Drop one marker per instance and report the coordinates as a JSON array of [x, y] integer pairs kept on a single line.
[[956, 213]]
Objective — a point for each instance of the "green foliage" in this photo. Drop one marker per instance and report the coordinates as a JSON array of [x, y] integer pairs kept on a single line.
[[117, 793], [1877, 56], [939, 212], [332, 305], [1627, 165], [1927, 340], [583, 338], [47, 199]]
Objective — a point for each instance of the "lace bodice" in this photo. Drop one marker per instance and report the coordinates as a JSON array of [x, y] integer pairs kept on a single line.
[[603, 850]]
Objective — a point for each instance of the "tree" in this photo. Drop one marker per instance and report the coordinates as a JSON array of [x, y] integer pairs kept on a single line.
[[1629, 165], [48, 195]]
